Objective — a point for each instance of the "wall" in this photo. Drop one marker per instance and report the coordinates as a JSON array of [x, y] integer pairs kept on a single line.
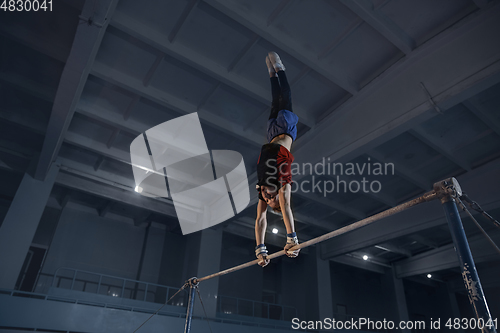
[[62, 317], [172, 261], [47, 226], [85, 241], [364, 294], [299, 284], [426, 302], [247, 283], [10, 182]]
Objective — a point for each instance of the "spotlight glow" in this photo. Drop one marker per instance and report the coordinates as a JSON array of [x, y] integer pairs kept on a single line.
[[138, 189], [365, 257], [275, 230], [429, 276]]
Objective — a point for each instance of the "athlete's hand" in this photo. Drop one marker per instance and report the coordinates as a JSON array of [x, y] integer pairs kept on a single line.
[[292, 254], [291, 241], [263, 260], [261, 254]]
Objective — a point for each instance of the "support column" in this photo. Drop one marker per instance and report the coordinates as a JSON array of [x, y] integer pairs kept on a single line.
[[399, 292], [20, 224], [208, 263], [325, 301], [151, 258]]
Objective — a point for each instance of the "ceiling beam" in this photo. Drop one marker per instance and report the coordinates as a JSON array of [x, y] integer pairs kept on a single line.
[[106, 151], [135, 86], [131, 107], [207, 97], [182, 19], [104, 209], [481, 3], [98, 163], [380, 197], [359, 263], [28, 86], [122, 156], [381, 24], [143, 220], [394, 102], [353, 26], [424, 241], [422, 217], [404, 172], [74, 76], [394, 249], [356, 214], [251, 43], [486, 117], [149, 76], [440, 147], [112, 138], [445, 257], [44, 46], [259, 26], [112, 177], [277, 11], [64, 198], [102, 190], [199, 62]]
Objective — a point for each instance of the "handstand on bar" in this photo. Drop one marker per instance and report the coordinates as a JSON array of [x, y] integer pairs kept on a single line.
[[275, 160]]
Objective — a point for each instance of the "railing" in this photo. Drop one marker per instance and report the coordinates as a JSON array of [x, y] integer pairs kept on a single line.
[[101, 284], [163, 312], [246, 307]]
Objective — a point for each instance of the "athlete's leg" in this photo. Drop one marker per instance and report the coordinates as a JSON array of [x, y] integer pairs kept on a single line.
[[275, 90], [282, 119], [286, 93]]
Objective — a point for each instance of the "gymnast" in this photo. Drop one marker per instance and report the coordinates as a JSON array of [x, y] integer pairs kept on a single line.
[[273, 166]]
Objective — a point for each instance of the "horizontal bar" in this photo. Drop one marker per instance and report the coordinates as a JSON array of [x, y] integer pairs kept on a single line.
[[429, 196]]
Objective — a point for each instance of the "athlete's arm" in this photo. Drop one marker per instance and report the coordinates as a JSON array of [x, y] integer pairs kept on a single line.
[[260, 233], [284, 199], [285, 195]]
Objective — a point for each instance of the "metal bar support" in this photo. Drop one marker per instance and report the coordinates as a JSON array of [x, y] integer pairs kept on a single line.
[[447, 190], [189, 316]]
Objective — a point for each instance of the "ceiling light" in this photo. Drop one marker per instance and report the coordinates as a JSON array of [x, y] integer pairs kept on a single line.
[[275, 230], [365, 257], [429, 276], [138, 189]]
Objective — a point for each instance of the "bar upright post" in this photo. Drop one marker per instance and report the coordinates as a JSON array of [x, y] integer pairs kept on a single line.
[[189, 316], [447, 190]]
